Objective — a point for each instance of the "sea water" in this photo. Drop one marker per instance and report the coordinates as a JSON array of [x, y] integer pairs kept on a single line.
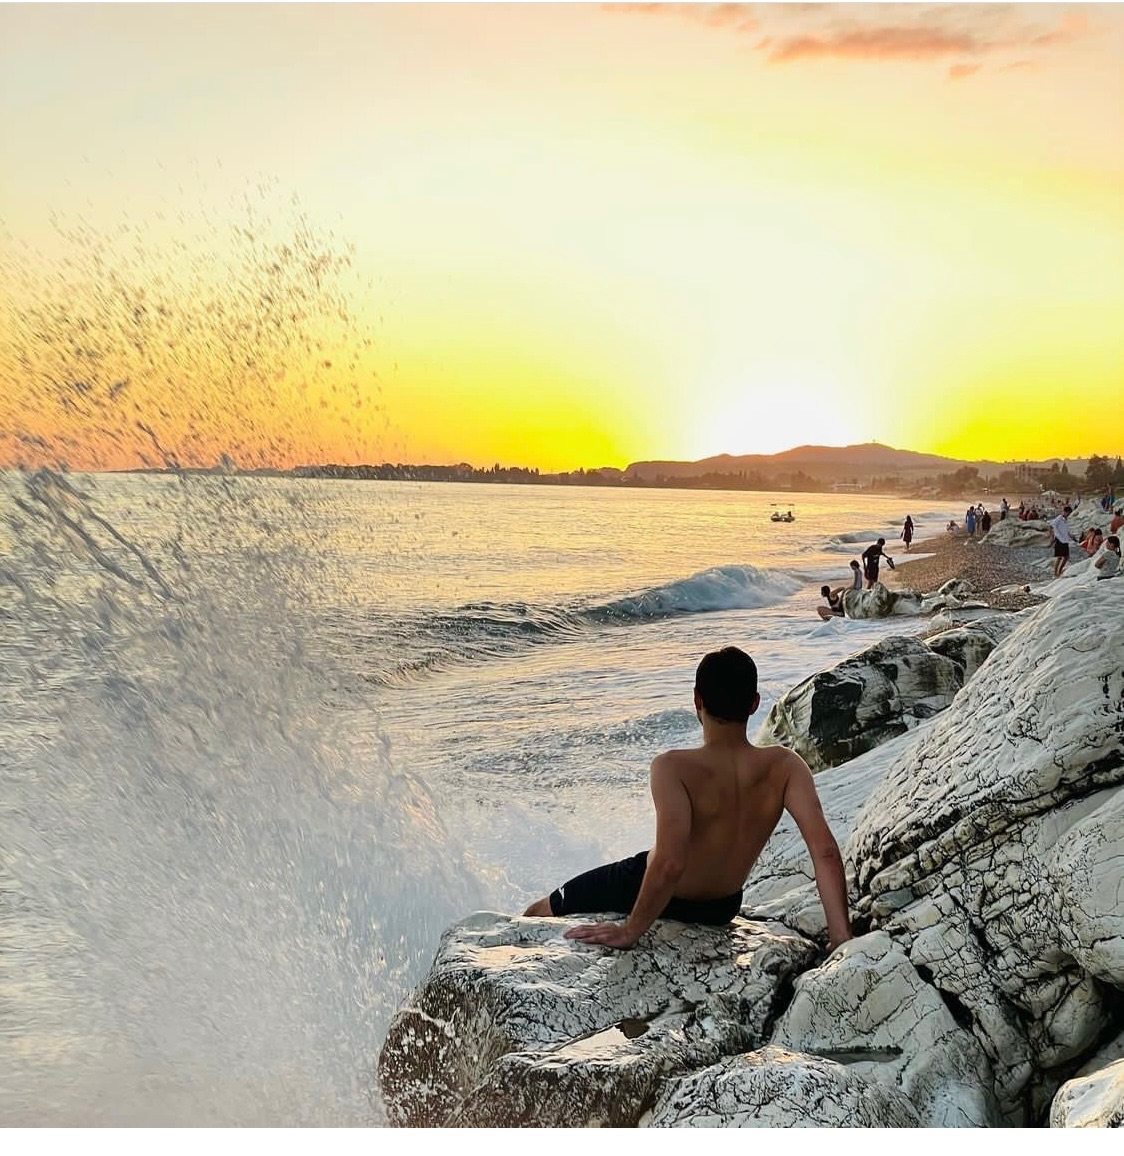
[[263, 739]]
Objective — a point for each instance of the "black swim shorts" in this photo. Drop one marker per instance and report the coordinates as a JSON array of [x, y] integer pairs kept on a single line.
[[1061, 549], [615, 886]]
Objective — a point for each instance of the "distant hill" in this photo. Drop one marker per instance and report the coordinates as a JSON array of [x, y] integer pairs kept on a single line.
[[833, 463]]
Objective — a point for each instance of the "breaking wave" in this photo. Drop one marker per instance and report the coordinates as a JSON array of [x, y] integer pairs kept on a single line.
[[486, 630]]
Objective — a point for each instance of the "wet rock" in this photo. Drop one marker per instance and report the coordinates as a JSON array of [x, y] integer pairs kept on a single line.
[[515, 1025], [880, 602], [857, 705]]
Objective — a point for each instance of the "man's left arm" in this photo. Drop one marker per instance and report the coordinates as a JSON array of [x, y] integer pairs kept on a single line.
[[666, 862]]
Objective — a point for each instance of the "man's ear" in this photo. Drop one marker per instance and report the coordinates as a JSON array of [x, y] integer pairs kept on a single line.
[[756, 704], [698, 702]]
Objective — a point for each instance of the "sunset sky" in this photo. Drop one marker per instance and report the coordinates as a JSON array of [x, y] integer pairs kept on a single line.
[[578, 235]]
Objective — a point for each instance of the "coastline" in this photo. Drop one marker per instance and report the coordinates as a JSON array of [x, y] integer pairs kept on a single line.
[[987, 567]]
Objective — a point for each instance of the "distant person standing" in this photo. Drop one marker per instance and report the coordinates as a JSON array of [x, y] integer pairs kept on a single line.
[[1059, 533], [985, 521], [970, 521], [871, 556], [856, 575], [1003, 510], [907, 532]]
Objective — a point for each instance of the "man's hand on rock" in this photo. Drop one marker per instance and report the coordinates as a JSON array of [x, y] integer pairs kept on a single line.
[[608, 934]]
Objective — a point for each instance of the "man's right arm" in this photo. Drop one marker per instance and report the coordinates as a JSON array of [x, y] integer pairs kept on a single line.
[[803, 804]]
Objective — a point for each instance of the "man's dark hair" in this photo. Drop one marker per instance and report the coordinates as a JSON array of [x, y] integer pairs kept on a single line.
[[1112, 540], [1068, 510], [881, 541], [825, 590], [726, 682]]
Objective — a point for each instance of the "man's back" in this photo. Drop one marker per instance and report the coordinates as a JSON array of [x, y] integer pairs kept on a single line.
[[737, 796]]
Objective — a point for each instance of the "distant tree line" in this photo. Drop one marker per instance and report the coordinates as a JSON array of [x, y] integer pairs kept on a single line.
[[1101, 472]]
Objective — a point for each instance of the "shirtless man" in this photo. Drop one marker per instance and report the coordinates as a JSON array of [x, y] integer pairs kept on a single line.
[[716, 806]]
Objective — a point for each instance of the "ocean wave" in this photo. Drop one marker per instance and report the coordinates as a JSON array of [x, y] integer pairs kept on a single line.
[[485, 630], [845, 543]]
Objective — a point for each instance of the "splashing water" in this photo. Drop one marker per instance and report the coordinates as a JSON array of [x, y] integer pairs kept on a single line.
[[216, 885], [215, 882]]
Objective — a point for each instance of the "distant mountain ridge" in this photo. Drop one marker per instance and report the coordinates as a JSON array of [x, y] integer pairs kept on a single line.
[[832, 463]]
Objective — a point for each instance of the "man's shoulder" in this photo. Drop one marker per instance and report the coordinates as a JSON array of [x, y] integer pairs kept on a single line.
[[676, 759]]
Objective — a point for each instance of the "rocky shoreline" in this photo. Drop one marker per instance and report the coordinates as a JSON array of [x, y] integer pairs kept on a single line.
[[976, 783], [991, 569]]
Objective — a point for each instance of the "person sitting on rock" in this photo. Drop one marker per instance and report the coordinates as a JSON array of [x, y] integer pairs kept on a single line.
[[870, 557], [716, 806], [1108, 564], [1117, 521], [834, 607], [1093, 540]]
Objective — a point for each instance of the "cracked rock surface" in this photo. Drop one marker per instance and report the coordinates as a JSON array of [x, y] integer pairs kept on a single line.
[[993, 852], [515, 1025], [879, 693], [776, 1088], [869, 1004]]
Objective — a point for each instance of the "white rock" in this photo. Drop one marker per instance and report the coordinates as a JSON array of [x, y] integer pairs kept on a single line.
[[880, 602], [775, 1088], [986, 849], [1093, 1101], [868, 1004], [1087, 872], [1042, 723], [1012, 532], [515, 1025]]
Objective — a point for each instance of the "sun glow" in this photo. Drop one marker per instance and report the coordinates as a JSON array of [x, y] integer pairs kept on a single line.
[[576, 236]]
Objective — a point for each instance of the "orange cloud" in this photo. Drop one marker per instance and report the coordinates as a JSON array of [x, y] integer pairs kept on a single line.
[[863, 33], [886, 43], [960, 71]]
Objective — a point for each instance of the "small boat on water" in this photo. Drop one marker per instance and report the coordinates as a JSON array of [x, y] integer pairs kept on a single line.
[[777, 516]]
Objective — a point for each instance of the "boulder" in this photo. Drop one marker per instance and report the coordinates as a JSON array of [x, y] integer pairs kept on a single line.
[[857, 705], [970, 644], [868, 1003], [1092, 1101], [515, 1025], [1020, 535], [880, 602], [775, 1088], [988, 847]]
